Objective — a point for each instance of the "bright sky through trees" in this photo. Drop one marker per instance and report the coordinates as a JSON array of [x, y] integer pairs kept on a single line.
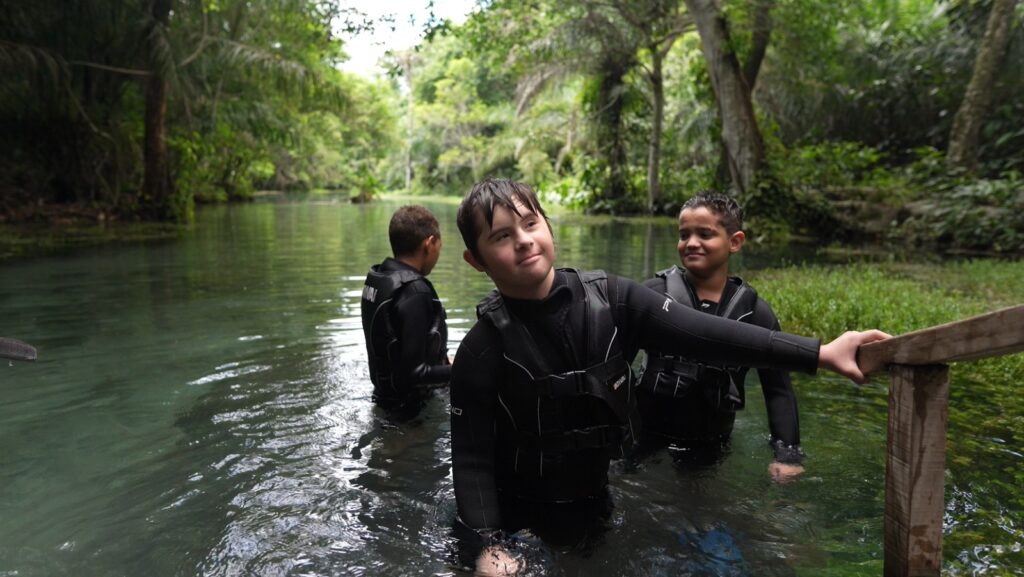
[[409, 16]]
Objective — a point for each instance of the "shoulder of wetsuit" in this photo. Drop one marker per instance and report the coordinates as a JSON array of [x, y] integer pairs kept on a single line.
[[739, 282], [419, 285], [590, 275], [743, 301], [678, 288], [489, 304], [674, 268], [392, 280]]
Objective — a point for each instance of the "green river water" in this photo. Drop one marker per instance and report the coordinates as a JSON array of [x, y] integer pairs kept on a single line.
[[201, 406]]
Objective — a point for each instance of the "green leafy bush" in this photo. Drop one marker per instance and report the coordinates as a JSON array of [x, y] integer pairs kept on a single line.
[[975, 215]]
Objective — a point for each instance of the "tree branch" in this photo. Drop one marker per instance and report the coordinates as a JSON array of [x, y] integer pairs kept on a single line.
[[129, 71]]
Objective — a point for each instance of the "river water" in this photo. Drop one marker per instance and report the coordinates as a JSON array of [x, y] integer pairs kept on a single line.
[[201, 406]]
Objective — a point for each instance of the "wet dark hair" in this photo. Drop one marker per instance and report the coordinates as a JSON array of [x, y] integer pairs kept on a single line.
[[730, 213], [410, 226], [478, 206]]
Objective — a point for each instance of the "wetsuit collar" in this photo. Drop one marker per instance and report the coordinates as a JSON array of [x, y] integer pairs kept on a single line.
[[728, 292], [391, 265], [560, 292]]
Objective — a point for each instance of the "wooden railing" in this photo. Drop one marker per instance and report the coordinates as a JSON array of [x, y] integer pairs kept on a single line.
[[918, 408]]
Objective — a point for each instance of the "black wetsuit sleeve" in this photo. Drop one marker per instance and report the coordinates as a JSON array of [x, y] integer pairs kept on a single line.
[[415, 315], [779, 398], [649, 320], [474, 398]]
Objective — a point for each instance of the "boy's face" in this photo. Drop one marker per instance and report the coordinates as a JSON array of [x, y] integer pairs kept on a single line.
[[517, 252], [704, 244]]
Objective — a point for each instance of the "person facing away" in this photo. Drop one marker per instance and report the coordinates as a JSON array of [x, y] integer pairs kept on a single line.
[[692, 405], [541, 390], [403, 318]]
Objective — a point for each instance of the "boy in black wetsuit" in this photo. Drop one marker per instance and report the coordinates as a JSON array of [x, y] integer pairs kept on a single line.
[[691, 405], [403, 319], [541, 391]]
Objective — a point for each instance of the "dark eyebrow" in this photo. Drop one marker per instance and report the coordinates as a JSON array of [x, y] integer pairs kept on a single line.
[[495, 231]]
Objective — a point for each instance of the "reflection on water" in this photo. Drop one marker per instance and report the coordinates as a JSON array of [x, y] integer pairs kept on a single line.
[[202, 406]]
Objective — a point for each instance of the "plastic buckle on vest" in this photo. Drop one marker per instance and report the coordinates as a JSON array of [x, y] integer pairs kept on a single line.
[[567, 384], [688, 370]]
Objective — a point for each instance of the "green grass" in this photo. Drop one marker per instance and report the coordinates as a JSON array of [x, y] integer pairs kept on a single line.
[[894, 297]]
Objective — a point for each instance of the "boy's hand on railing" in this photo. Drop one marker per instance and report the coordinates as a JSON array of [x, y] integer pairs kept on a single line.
[[840, 355]]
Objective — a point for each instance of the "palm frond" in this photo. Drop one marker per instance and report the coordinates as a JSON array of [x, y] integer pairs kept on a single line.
[[31, 63]]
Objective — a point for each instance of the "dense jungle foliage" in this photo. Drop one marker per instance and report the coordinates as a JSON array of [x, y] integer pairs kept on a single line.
[[846, 120]]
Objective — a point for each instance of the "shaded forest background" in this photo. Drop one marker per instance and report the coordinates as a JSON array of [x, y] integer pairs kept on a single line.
[[886, 120]]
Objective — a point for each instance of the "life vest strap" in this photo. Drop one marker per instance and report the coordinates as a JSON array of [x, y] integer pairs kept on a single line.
[[594, 382], [598, 437], [685, 370]]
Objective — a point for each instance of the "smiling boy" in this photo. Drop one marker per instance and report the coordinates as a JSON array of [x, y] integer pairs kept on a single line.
[[692, 405], [542, 392]]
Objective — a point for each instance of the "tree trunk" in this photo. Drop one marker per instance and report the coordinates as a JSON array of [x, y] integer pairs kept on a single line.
[[156, 180], [410, 130], [966, 132], [657, 120], [759, 37], [566, 149], [742, 139], [408, 62], [611, 137]]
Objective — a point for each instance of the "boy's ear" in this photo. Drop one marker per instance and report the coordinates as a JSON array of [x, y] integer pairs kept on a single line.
[[467, 255], [736, 241]]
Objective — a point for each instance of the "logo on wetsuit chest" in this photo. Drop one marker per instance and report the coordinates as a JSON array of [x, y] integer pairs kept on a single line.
[[664, 305], [369, 293]]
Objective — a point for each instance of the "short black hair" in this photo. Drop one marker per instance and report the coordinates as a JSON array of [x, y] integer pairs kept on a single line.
[[730, 213], [410, 226], [480, 201]]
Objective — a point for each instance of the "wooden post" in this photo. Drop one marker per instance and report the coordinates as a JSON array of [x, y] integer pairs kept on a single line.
[[915, 463], [915, 470]]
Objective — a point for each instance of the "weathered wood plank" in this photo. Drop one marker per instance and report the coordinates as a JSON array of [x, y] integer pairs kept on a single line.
[[914, 470], [989, 335]]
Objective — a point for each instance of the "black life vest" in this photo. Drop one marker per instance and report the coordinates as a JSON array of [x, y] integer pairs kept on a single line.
[[534, 398], [674, 376], [382, 344]]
